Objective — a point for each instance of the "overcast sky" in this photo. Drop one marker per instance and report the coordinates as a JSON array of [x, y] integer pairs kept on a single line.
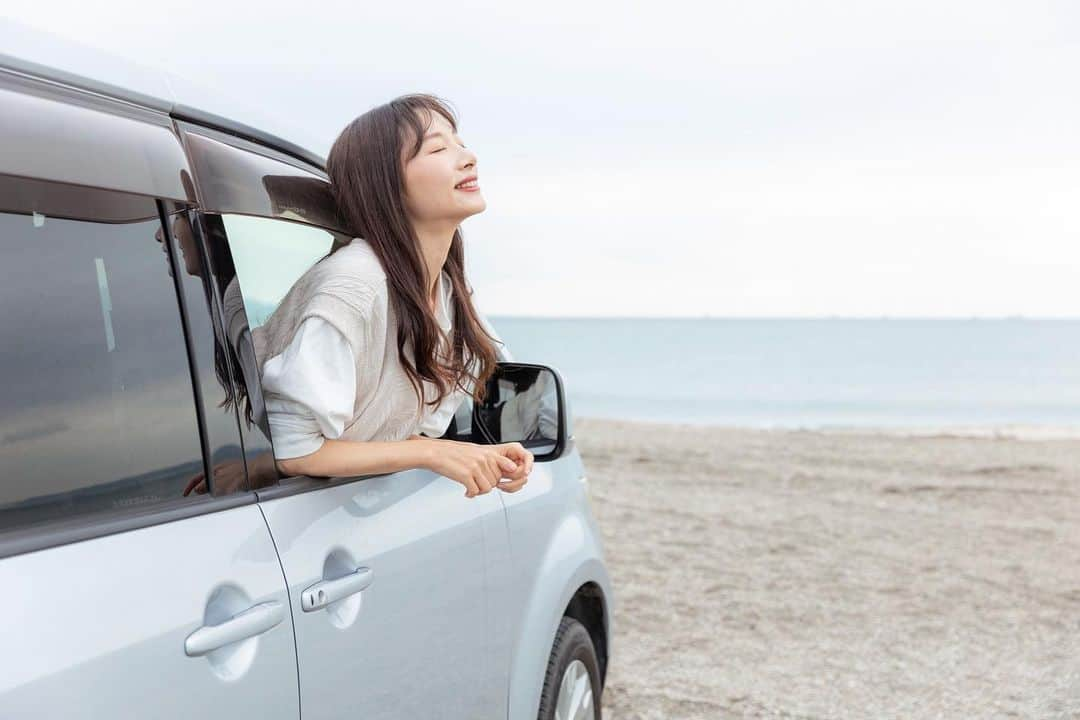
[[853, 158]]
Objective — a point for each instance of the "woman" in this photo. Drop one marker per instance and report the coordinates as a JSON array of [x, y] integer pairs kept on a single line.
[[379, 341]]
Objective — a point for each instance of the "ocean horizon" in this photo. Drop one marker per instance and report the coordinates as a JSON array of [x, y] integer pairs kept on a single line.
[[812, 372]]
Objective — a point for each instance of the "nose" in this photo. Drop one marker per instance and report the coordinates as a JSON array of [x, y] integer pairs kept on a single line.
[[468, 158]]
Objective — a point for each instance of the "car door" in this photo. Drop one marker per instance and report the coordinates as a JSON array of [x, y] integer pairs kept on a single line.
[[123, 597], [391, 603], [390, 600]]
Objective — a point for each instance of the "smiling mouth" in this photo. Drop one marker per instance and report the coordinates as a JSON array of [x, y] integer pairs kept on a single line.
[[470, 185]]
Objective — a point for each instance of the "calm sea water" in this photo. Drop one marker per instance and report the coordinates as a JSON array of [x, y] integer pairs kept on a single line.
[[811, 372]]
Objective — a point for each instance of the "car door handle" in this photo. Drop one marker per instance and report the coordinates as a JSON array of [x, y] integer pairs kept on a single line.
[[254, 621], [323, 593]]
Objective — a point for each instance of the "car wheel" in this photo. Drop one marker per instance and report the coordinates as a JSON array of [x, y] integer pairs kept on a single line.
[[572, 682]]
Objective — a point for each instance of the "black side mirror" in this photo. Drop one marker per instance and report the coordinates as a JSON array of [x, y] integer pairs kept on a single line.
[[524, 403]]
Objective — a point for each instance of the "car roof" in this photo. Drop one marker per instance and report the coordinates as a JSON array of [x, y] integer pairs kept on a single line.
[[35, 52]]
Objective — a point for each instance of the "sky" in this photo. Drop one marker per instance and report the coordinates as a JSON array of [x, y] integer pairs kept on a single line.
[[766, 158]]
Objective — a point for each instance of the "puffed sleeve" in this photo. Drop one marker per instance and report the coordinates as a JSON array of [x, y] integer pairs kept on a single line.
[[309, 389]]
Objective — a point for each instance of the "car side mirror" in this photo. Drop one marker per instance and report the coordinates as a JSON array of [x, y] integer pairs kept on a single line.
[[524, 403]]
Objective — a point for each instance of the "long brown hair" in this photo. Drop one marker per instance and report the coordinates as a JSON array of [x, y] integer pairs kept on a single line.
[[366, 178]]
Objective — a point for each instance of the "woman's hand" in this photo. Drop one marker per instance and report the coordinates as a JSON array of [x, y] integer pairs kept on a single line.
[[228, 478], [524, 460], [262, 470], [479, 467]]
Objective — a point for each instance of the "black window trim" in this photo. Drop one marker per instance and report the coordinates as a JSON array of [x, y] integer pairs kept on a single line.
[[185, 323], [187, 125], [252, 135]]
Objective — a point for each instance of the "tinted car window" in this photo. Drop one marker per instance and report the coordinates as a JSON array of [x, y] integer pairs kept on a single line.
[[97, 413], [270, 256]]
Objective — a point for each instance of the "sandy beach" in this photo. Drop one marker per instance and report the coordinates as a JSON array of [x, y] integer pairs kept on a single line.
[[857, 574]]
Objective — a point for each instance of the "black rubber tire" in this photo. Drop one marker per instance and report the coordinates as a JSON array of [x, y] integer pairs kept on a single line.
[[572, 642]]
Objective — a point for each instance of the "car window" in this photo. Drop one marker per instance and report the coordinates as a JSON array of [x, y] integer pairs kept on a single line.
[[270, 256], [97, 413]]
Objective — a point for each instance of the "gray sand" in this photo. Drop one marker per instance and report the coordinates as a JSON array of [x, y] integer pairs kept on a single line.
[[799, 574]]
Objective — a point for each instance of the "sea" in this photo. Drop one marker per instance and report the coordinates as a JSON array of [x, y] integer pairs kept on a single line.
[[811, 372]]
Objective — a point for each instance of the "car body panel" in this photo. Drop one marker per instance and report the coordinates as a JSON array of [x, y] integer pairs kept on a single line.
[[97, 629], [416, 640], [556, 549]]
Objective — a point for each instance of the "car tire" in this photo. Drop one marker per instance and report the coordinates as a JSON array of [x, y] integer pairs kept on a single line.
[[572, 681]]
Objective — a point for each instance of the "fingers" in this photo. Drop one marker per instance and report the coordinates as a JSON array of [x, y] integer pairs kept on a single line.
[[516, 451], [485, 475], [517, 474], [520, 475], [192, 483], [471, 489], [482, 472], [483, 484], [514, 485], [524, 459], [199, 488], [487, 471], [495, 472]]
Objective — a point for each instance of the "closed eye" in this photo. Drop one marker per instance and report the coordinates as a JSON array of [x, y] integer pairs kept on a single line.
[[463, 146]]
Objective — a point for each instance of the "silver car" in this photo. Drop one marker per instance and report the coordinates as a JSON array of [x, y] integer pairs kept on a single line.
[[142, 236]]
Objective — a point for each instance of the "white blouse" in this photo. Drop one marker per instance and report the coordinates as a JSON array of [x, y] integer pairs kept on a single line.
[[310, 388]]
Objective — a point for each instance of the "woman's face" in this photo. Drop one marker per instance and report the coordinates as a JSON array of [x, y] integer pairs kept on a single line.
[[185, 237], [432, 194]]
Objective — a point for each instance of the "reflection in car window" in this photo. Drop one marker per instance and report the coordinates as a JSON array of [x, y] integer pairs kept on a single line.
[[97, 414]]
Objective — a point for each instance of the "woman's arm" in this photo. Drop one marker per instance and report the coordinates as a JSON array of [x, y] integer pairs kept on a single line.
[[353, 457], [479, 468]]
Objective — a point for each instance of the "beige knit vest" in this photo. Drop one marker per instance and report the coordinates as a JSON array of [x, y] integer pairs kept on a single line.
[[349, 290]]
